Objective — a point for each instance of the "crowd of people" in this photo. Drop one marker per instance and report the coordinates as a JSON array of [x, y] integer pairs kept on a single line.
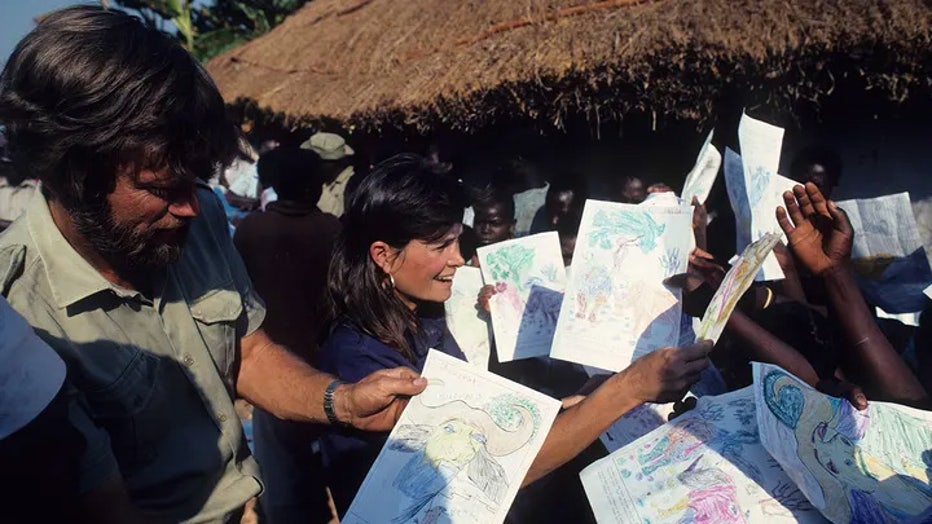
[[140, 302]]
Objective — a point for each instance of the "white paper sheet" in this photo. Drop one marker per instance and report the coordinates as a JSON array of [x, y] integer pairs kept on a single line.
[[701, 177], [738, 197], [469, 216], [616, 307], [752, 224], [468, 326], [888, 254], [459, 451], [733, 286], [529, 278], [708, 465], [635, 424], [760, 155], [870, 466]]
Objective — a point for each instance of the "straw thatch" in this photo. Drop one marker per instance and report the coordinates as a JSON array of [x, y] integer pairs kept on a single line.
[[462, 64]]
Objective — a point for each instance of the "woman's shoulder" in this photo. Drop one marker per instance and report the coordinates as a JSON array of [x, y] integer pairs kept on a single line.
[[436, 335], [351, 354]]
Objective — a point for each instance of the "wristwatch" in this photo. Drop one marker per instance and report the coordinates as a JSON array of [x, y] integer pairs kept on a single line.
[[328, 402]]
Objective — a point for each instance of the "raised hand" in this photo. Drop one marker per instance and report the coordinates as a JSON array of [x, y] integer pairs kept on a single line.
[[699, 283], [822, 234], [665, 374], [375, 402], [485, 295]]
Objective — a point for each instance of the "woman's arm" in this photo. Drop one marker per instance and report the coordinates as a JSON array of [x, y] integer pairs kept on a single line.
[[661, 376]]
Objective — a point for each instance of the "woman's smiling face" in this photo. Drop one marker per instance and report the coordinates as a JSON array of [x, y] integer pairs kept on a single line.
[[423, 271]]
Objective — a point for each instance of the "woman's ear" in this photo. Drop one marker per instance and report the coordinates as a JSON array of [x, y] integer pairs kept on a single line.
[[383, 255]]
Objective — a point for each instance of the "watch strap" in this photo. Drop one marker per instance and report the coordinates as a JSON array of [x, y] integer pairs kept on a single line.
[[328, 401]]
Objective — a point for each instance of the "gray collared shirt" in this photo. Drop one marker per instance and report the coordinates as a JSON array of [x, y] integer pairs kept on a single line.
[[157, 376]]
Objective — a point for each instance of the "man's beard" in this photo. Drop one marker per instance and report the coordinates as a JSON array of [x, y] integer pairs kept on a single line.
[[130, 252]]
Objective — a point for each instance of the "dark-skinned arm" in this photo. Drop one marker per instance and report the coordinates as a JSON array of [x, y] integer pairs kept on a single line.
[[763, 346], [868, 348], [791, 286], [820, 235]]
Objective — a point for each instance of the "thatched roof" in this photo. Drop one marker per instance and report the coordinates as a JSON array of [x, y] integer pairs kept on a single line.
[[462, 64]]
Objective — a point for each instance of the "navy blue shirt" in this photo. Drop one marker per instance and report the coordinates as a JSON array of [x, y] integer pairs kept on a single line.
[[351, 355]]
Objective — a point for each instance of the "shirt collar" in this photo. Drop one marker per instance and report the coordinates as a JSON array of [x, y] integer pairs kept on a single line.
[[71, 278]]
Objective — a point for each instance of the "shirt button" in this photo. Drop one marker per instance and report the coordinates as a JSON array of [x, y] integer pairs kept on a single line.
[[222, 417], [188, 360]]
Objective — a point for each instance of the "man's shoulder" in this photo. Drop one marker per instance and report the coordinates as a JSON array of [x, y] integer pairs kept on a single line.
[[26, 288], [17, 233], [208, 199], [19, 259], [211, 218]]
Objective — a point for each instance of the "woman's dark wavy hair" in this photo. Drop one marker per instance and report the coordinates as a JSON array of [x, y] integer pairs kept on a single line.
[[91, 90], [404, 198]]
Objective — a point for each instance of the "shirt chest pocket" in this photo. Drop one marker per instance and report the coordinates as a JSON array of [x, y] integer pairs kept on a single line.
[[133, 410], [220, 321]]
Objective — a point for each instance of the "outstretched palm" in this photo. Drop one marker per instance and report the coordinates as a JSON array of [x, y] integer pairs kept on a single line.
[[820, 233]]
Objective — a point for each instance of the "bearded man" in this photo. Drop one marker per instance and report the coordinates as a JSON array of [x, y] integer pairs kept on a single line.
[[124, 265]]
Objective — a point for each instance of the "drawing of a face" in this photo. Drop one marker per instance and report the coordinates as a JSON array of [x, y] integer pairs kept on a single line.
[[838, 456], [455, 443]]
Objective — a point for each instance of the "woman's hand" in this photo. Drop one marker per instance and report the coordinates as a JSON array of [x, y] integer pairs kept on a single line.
[[822, 235], [666, 374]]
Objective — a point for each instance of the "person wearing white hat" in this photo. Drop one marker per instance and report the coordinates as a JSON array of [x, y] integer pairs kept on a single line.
[[336, 154]]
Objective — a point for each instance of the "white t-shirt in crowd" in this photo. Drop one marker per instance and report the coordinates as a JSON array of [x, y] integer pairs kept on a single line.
[[243, 178]]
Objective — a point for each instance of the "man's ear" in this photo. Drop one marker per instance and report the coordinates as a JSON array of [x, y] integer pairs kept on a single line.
[[383, 255]]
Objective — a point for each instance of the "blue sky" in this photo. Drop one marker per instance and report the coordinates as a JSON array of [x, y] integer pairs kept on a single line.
[[17, 19]]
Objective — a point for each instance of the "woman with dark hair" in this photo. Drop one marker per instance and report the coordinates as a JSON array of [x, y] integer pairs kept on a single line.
[[393, 265]]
